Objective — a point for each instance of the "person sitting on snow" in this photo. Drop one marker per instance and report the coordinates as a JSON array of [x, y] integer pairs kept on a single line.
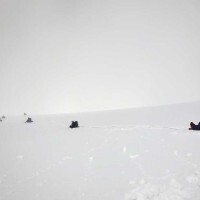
[[29, 120], [74, 124], [194, 126]]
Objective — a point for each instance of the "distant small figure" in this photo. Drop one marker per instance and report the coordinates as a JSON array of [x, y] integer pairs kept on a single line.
[[194, 126], [74, 124], [29, 120], [0, 120], [3, 117], [25, 114]]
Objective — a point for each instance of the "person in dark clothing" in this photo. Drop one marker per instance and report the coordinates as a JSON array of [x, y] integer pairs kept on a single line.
[[74, 124], [29, 120], [194, 126]]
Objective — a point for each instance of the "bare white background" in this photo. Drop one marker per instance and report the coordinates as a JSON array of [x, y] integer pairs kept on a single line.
[[61, 56]]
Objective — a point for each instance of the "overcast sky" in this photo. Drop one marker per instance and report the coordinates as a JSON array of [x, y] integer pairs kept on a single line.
[[61, 56]]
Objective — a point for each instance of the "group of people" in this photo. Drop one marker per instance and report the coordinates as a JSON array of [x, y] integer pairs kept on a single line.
[[1, 119], [194, 126], [74, 124], [29, 120]]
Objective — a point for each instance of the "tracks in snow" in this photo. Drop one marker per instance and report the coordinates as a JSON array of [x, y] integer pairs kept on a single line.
[[134, 127]]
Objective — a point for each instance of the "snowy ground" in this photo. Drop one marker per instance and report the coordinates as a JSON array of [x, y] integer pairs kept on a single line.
[[136, 154]]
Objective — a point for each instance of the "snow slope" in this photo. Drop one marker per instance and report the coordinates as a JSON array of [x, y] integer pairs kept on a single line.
[[132, 154]]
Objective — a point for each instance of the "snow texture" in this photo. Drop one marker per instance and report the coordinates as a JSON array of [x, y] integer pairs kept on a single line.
[[133, 154]]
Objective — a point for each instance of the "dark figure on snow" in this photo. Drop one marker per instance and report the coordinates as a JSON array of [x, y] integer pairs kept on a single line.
[[25, 114], [29, 120], [0, 120], [194, 126], [74, 124], [3, 117]]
